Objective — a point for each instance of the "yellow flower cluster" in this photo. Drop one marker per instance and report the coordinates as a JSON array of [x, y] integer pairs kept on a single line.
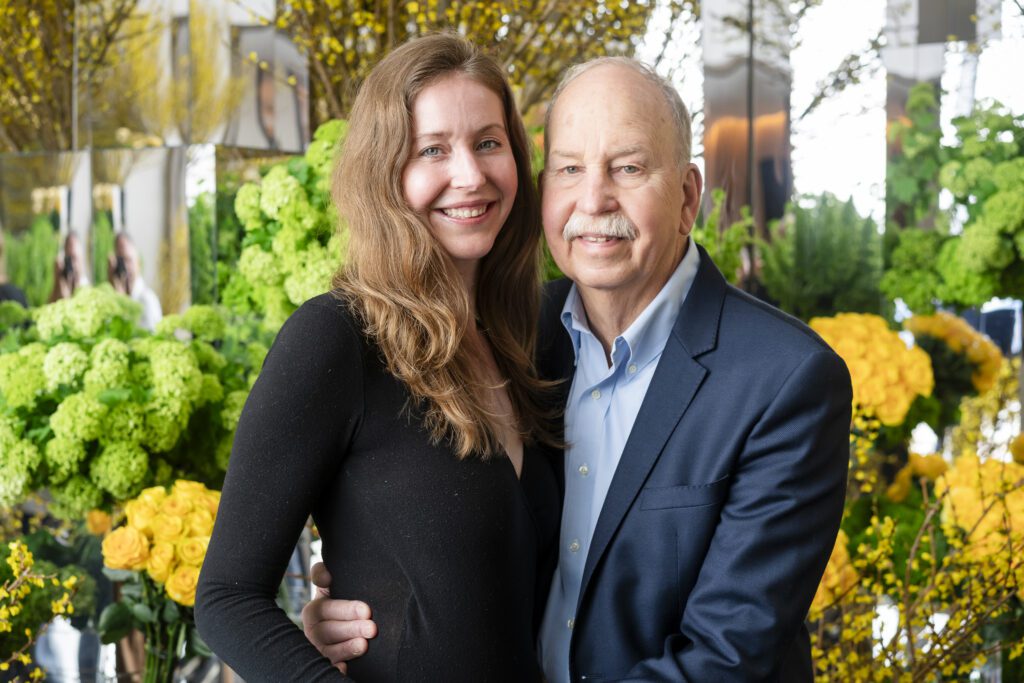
[[985, 501], [963, 339], [887, 375], [166, 536], [14, 594], [840, 577], [931, 467]]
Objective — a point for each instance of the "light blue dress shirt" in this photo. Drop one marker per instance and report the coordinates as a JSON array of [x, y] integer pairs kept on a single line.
[[602, 406]]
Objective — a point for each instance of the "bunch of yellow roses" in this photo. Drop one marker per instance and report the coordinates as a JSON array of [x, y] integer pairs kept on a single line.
[[166, 536], [955, 332], [887, 375]]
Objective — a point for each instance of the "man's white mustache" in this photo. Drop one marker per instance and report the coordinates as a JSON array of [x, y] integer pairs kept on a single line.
[[605, 225]]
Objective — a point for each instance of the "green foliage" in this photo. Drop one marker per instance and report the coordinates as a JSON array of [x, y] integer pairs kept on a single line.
[[291, 247], [724, 245], [30, 259], [912, 274], [94, 408], [823, 257], [911, 189], [202, 264]]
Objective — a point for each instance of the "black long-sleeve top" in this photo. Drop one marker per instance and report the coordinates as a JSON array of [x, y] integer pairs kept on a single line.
[[447, 553]]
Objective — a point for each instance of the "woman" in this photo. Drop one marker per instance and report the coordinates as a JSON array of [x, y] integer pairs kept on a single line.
[[401, 410]]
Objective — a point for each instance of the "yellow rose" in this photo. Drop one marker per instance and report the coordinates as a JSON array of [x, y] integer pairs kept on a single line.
[[181, 585], [212, 500], [140, 514], [161, 561], [199, 522], [176, 505], [153, 495], [125, 548], [167, 528], [193, 550], [98, 522], [188, 487]]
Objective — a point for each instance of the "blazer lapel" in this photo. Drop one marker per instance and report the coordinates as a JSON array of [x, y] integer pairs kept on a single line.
[[672, 389]]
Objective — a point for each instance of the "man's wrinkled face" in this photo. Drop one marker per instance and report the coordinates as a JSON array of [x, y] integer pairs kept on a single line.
[[617, 204]]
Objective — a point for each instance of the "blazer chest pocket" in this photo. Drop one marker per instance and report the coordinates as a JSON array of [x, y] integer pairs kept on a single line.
[[691, 495]]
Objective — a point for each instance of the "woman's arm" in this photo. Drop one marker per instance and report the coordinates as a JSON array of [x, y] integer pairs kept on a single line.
[[293, 433]]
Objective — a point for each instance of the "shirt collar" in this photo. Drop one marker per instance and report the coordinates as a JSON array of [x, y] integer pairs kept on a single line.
[[646, 337]]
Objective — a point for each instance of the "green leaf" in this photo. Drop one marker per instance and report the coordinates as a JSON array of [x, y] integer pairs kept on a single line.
[[143, 613], [170, 613], [132, 590], [196, 644], [115, 623], [112, 397], [122, 575]]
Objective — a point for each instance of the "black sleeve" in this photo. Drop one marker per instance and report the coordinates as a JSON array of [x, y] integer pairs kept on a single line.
[[294, 431]]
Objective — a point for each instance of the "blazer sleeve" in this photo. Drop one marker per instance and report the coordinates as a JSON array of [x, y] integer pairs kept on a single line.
[[774, 537], [292, 434]]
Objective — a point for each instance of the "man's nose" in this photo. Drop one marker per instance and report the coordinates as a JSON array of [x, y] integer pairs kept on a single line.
[[466, 170], [596, 194]]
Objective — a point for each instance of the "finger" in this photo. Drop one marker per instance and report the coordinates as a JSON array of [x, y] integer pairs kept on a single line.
[[341, 666], [328, 633], [325, 609], [320, 576], [343, 652]]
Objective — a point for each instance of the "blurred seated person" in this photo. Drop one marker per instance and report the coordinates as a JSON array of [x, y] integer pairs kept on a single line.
[[69, 271], [125, 275], [8, 292]]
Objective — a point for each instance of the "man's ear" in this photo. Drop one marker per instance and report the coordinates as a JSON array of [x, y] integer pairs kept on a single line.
[[693, 185]]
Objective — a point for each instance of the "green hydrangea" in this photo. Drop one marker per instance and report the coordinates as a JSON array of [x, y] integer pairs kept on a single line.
[[109, 365], [259, 267], [170, 324], [212, 391], [334, 131], [22, 380], [279, 189], [320, 156], [125, 422], [64, 365], [63, 457], [209, 359], [277, 307], [1009, 175], [306, 283], [166, 418], [175, 371], [85, 315], [12, 314], [19, 460], [961, 285], [205, 322], [223, 453], [912, 275], [984, 247], [120, 469], [247, 206], [231, 411], [1005, 211], [75, 497], [79, 417]]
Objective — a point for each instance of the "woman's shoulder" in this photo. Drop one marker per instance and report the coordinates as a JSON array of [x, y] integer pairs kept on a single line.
[[325, 325]]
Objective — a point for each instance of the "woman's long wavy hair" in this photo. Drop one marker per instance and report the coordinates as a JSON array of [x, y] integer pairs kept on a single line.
[[400, 280]]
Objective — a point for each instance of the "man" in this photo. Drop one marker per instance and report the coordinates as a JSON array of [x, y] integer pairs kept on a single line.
[[69, 272], [708, 432], [125, 275]]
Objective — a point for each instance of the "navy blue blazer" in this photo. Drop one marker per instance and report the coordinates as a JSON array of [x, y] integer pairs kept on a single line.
[[725, 505]]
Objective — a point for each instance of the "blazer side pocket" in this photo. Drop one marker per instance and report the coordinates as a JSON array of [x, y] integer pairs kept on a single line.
[[691, 495]]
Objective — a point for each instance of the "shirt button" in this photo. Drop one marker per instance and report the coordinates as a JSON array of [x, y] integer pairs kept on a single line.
[[632, 368], [595, 394], [570, 623], [574, 546], [584, 470]]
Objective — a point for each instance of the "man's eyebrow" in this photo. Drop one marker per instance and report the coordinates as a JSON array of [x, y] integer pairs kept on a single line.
[[443, 133], [627, 151], [563, 153]]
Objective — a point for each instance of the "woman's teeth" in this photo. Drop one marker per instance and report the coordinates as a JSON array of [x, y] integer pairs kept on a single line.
[[465, 213]]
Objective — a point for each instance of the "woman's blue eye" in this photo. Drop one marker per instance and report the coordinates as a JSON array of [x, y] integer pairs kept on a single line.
[[430, 152], [489, 144]]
